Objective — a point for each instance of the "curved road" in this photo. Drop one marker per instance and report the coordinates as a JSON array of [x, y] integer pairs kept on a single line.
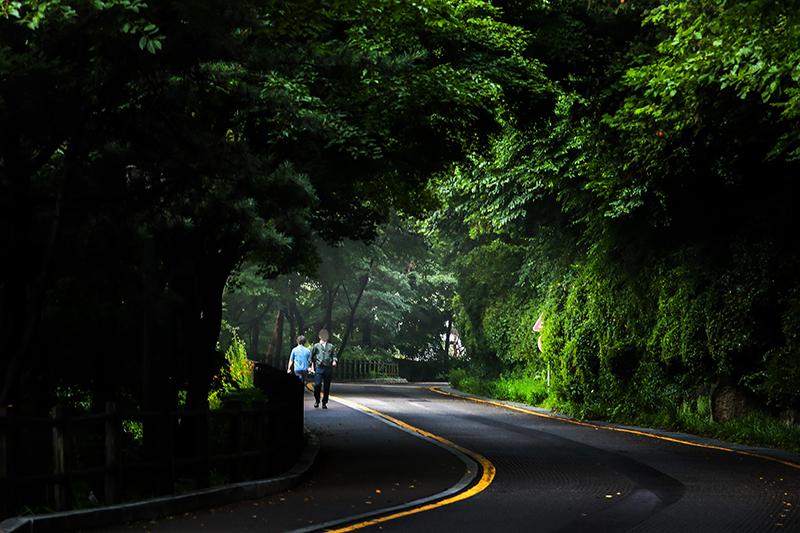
[[539, 474]]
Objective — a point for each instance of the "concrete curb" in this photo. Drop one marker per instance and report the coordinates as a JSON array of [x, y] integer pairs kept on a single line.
[[168, 505]]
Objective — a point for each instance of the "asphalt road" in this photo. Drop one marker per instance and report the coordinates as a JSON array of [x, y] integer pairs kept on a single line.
[[455, 464]]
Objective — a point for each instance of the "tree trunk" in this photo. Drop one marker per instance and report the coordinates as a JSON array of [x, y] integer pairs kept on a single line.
[[296, 318], [201, 280], [31, 312], [363, 280], [449, 332], [274, 348], [328, 320], [329, 311], [255, 332], [292, 329]]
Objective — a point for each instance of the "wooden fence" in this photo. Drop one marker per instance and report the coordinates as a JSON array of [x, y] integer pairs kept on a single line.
[[350, 370], [89, 460]]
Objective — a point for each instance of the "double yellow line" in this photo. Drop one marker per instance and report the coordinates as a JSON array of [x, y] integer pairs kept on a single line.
[[621, 429], [485, 480]]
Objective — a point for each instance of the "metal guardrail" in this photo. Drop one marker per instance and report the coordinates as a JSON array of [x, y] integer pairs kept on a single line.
[[349, 370]]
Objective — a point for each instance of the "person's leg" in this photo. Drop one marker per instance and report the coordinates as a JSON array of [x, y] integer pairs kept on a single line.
[[328, 376], [317, 386]]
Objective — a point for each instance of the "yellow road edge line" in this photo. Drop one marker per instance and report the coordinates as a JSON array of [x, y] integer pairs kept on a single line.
[[489, 472], [623, 430]]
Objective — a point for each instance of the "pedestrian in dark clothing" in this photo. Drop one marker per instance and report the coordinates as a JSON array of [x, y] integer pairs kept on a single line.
[[323, 358]]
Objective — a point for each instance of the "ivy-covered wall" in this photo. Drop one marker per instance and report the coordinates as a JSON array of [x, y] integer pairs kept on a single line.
[[623, 339]]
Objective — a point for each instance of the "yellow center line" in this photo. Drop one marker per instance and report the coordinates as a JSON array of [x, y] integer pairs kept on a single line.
[[486, 479], [623, 430]]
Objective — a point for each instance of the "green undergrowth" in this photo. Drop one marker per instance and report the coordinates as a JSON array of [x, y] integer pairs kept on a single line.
[[757, 429]]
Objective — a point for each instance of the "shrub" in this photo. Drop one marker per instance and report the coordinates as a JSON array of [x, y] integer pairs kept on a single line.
[[457, 376], [235, 379], [530, 390]]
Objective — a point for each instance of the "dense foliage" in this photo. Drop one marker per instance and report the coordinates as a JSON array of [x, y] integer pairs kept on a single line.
[[381, 301], [149, 149], [650, 218]]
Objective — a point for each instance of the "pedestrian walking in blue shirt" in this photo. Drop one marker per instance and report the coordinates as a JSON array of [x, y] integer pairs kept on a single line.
[[298, 360]]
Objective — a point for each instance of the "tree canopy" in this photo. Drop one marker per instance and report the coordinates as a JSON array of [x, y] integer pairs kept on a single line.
[[166, 142]]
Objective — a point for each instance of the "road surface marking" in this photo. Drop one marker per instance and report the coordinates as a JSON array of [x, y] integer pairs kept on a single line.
[[623, 430], [417, 506]]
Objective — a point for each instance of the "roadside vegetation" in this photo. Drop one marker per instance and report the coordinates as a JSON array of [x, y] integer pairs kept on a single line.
[[755, 429], [648, 221], [427, 180]]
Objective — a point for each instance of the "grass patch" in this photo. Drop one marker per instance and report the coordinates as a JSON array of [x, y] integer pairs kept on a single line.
[[758, 429], [530, 391]]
